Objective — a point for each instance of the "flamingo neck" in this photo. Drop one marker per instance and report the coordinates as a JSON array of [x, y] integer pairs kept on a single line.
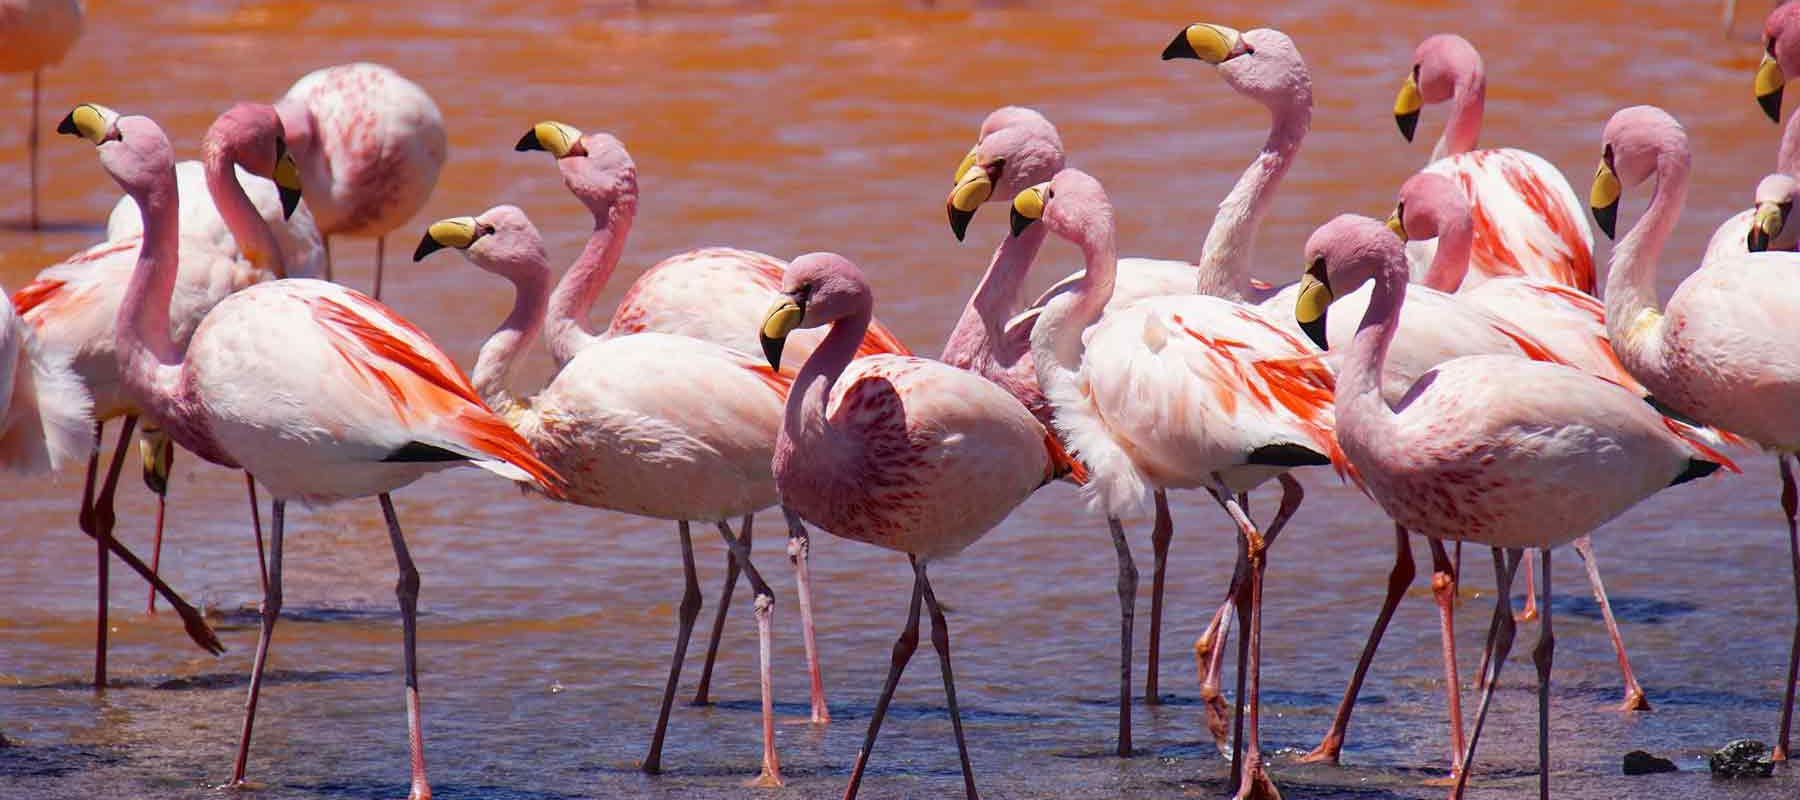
[[979, 333], [1230, 243], [1788, 159], [1466, 108], [1633, 311], [149, 360], [530, 277], [297, 126], [567, 330], [1455, 244], [1359, 381], [247, 226], [1057, 346], [804, 417]]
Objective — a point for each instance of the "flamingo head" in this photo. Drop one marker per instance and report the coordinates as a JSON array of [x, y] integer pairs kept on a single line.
[[133, 150], [1022, 151], [1637, 143], [1440, 64], [500, 239], [251, 135], [1427, 204], [1769, 229], [1262, 64], [1072, 205], [1341, 256], [1781, 56], [817, 289], [598, 170]]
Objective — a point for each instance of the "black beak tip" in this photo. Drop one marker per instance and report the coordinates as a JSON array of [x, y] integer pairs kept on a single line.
[[67, 126], [427, 246], [772, 351], [1179, 48], [290, 200], [1019, 223], [1771, 105], [1759, 241], [959, 222], [528, 142], [1315, 331], [1409, 123], [1607, 218]]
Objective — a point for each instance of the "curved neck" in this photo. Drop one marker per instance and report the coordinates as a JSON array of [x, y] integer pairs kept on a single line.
[[297, 127], [1057, 346], [1631, 279], [1225, 257], [979, 331], [1788, 159], [805, 411], [1359, 382], [499, 354], [1466, 107], [1455, 243], [567, 329], [149, 360], [246, 224]]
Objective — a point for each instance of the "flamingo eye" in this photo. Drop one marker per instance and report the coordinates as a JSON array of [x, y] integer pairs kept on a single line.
[[1607, 156]]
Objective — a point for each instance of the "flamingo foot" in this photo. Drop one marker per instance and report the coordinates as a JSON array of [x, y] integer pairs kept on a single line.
[[1328, 752], [1218, 717], [1635, 701], [767, 780], [1258, 786]]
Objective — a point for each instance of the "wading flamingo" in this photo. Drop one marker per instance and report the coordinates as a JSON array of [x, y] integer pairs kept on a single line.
[[1179, 392], [35, 34], [1710, 352], [369, 144], [895, 451], [386, 405], [715, 294], [651, 424], [1479, 449], [45, 411], [73, 307]]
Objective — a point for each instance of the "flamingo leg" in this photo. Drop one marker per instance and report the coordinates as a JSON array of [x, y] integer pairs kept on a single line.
[[31, 139], [765, 611], [1400, 577], [327, 241], [1487, 648], [262, 566], [1127, 587], [690, 609], [380, 251], [407, 590], [97, 521], [1500, 637], [1529, 612], [271, 612], [799, 550], [1730, 16], [1542, 656], [718, 626], [1443, 590], [1209, 656], [940, 640], [1253, 783], [1634, 694], [903, 650], [1160, 536], [1788, 505]]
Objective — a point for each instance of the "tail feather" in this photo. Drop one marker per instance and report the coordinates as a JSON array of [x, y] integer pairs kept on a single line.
[[494, 446], [49, 419], [1696, 437]]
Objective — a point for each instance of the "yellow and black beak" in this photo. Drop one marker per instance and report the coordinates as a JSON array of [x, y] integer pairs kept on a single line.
[[1214, 44], [1028, 207], [157, 452], [557, 139], [1407, 104], [287, 179], [967, 162], [458, 232], [1604, 199], [1770, 80], [1766, 224], [1314, 300], [783, 317], [973, 188], [1396, 222], [93, 122]]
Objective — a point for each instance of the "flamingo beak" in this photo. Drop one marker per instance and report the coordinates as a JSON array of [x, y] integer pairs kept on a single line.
[[457, 232], [556, 138], [287, 180], [1028, 207], [1770, 80], [1603, 197], [1406, 106], [1769, 219], [972, 189], [1312, 304], [1395, 224], [93, 122], [1214, 44], [782, 318]]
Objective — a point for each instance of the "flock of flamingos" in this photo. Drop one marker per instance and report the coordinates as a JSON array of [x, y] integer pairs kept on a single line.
[[1453, 361]]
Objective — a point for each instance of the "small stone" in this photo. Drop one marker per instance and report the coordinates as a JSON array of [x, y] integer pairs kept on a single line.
[[556, 687], [1743, 758], [1638, 762]]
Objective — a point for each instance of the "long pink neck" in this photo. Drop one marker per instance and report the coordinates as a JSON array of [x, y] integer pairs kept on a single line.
[[149, 360], [246, 224], [1226, 255], [1466, 108], [805, 412], [297, 127], [567, 329], [1455, 243], [1631, 280], [979, 333], [1057, 347], [1788, 160], [1359, 381], [530, 277]]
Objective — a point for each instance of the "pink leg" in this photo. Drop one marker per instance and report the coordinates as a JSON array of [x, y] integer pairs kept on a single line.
[[690, 609], [262, 565], [1160, 535], [799, 555], [1127, 587], [765, 610], [1400, 577], [940, 640], [97, 521], [1542, 656], [271, 612], [1788, 505], [1634, 694], [1209, 655], [718, 626], [407, 589], [1253, 782], [380, 247], [1443, 590], [1500, 635], [327, 240], [903, 650], [1529, 612]]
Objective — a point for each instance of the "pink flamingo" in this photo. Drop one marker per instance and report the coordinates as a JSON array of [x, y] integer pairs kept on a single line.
[[1178, 392], [1763, 226], [369, 144], [714, 294], [691, 444], [45, 411], [35, 34], [1478, 450], [387, 406], [895, 451], [1707, 352], [1527, 219]]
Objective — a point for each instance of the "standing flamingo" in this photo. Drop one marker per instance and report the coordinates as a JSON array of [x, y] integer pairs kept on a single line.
[[44, 410], [385, 405], [35, 34], [716, 294], [1713, 351], [895, 451], [653, 424], [369, 144], [1479, 449], [1174, 392]]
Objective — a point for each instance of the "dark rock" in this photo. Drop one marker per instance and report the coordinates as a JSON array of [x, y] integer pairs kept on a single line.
[[1744, 758], [1638, 762]]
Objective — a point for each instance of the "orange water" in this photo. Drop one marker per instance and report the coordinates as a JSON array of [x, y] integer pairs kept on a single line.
[[805, 126]]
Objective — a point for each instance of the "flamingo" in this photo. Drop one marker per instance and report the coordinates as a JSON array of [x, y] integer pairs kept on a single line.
[[369, 144], [35, 34], [1479, 448], [385, 405], [1761, 227], [1714, 351], [1175, 392], [653, 424], [1764, 226], [44, 409], [715, 294], [900, 452]]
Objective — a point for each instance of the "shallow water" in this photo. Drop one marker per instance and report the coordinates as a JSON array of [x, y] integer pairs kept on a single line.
[[797, 127]]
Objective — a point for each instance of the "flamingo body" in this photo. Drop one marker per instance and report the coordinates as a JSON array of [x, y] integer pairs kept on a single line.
[[1527, 220], [37, 33], [369, 144], [44, 409], [297, 236]]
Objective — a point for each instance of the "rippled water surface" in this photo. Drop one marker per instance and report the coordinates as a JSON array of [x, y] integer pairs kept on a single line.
[[790, 127]]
